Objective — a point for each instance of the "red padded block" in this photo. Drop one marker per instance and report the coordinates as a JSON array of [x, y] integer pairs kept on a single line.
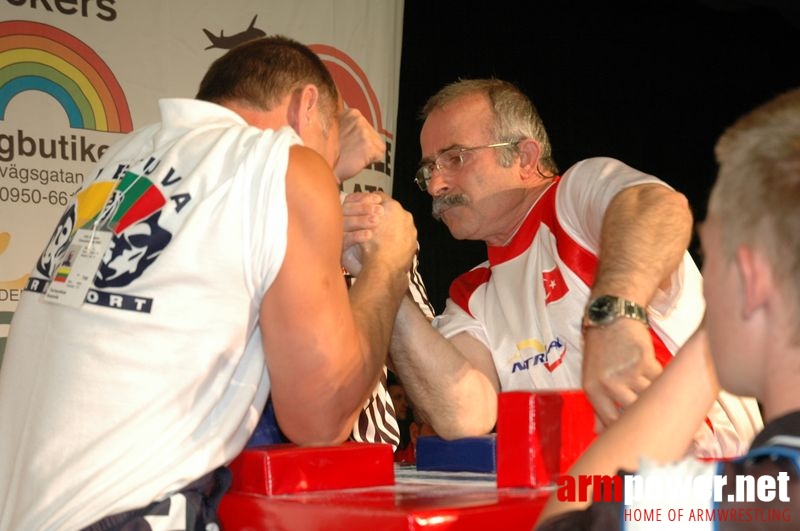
[[540, 435], [288, 468]]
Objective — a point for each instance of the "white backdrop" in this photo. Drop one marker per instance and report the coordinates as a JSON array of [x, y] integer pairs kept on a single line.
[[75, 77]]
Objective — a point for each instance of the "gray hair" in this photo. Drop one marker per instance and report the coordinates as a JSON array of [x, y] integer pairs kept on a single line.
[[515, 116]]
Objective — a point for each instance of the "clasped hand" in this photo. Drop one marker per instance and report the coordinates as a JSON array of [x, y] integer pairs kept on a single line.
[[376, 227]]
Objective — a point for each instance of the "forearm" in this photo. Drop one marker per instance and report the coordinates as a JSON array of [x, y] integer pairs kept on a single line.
[[456, 397], [646, 230], [375, 299], [346, 365]]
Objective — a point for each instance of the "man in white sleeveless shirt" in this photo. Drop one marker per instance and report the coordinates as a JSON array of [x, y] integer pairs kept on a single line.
[[198, 271]]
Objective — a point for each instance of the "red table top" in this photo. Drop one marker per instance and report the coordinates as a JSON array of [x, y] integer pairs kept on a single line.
[[416, 501]]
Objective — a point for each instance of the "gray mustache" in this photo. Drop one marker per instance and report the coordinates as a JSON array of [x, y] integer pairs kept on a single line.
[[442, 203]]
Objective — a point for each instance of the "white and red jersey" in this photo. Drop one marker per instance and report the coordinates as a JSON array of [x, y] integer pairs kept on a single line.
[[526, 302]]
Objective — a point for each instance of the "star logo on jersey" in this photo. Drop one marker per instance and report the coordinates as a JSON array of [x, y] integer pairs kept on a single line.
[[554, 286]]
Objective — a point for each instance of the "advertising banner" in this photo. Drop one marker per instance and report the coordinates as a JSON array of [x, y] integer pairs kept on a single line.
[[76, 76]]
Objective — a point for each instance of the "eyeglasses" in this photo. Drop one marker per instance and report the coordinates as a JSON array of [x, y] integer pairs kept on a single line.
[[449, 160]]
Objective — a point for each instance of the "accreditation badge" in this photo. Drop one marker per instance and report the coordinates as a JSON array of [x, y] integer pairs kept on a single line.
[[74, 275]]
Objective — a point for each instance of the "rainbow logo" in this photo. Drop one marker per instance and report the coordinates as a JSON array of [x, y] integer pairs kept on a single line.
[[43, 58]]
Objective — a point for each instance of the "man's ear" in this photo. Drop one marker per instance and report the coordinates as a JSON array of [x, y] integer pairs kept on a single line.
[[302, 105], [755, 275], [529, 152]]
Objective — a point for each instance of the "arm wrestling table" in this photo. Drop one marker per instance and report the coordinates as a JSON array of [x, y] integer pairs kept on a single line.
[[497, 481]]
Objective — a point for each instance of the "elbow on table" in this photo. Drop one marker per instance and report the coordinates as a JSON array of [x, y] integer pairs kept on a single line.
[[316, 430], [468, 424]]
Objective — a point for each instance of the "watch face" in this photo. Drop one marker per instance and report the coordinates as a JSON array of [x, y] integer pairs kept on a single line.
[[602, 310]]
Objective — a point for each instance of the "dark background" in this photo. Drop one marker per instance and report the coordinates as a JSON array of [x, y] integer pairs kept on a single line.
[[651, 82]]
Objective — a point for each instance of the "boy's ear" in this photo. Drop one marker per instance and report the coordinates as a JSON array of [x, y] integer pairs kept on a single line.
[[755, 275]]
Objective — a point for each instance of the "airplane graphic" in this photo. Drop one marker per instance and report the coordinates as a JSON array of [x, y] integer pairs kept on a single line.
[[226, 43]]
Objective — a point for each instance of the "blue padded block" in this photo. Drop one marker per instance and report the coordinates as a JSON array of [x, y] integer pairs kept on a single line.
[[470, 454]]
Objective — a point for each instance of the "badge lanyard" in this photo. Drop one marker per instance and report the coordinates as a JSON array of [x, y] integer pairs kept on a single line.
[[74, 275]]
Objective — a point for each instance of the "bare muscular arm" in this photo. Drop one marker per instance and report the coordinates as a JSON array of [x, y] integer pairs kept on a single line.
[[323, 357]]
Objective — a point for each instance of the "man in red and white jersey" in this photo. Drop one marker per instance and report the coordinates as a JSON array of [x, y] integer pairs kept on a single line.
[[751, 284], [588, 283]]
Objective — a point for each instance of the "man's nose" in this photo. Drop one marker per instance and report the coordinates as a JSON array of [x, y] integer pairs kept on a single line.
[[438, 185]]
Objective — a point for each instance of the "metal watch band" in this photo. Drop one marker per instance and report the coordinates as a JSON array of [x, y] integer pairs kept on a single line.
[[633, 311], [606, 309]]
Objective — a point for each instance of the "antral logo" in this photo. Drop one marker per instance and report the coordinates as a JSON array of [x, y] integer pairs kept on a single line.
[[550, 357]]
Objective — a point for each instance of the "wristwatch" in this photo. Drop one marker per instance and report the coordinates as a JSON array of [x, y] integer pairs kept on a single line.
[[606, 309]]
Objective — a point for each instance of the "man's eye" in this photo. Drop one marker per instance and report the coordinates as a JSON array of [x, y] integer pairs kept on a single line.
[[451, 160]]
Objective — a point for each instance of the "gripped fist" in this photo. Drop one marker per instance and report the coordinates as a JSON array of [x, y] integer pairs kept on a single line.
[[618, 364], [359, 145], [376, 227]]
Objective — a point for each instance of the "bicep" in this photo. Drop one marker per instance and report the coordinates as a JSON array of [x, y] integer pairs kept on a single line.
[[479, 357], [587, 190], [467, 336], [306, 308]]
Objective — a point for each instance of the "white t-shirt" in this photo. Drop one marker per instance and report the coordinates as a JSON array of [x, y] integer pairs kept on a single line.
[[160, 376]]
